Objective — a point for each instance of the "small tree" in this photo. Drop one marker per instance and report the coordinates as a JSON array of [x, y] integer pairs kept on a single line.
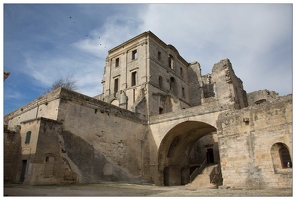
[[69, 83]]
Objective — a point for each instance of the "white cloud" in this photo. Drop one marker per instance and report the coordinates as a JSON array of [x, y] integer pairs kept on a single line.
[[113, 33], [12, 95], [46, 69], [247, 34]]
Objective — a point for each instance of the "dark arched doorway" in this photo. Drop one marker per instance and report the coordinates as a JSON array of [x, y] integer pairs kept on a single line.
[[184, 148]]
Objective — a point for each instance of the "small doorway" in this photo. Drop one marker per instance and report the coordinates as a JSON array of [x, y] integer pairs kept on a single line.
[[166, 181], [210, 156], [23, 172], [185, 175]]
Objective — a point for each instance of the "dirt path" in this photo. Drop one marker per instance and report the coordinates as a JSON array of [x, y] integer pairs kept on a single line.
[[114, 189]]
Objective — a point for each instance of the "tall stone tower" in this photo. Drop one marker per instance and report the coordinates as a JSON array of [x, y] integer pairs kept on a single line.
[[147, 76]]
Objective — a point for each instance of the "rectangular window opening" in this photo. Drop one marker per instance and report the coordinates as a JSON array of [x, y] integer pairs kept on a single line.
[[159, 55], [134, 54], [117, 62], [116, 85], [134, 78], [183, 92], [28, 137]]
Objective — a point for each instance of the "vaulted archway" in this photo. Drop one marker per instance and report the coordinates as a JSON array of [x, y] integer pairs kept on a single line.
[[177, 146]]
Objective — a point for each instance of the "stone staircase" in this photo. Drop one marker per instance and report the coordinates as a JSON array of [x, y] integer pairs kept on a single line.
[[203, 179]]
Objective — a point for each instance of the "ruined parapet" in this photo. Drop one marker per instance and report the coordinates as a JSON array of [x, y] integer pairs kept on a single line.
[[99, 97], [261, 96], [195, 80], [208, 86], [228, 87]]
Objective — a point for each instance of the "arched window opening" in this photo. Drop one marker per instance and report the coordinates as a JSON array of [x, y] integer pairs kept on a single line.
[[281, 158], [285, 157]]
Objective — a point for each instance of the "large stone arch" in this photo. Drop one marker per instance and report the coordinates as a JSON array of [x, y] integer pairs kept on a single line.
[[174, 150]]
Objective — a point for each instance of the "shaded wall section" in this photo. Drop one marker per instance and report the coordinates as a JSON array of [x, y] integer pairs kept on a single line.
[[12, 153], [104, 142]]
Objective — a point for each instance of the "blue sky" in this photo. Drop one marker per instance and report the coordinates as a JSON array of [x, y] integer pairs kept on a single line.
[[44, 42]]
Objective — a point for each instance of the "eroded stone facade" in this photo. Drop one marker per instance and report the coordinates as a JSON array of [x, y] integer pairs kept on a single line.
[[158, 120]]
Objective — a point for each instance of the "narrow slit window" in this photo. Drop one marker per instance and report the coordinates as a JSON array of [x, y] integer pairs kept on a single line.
[[160, 82], [181, 72], [171, 62], [116, 85]]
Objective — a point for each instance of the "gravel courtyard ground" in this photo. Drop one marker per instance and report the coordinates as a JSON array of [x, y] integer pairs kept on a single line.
[[115, 190]]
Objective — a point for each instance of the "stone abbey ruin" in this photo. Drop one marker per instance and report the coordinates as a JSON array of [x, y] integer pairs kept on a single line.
[[158, 121]]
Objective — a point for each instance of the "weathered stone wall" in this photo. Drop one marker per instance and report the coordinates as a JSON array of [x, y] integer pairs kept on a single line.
[[44, 164], [228, 87], [112, 134], [45, 106], [261, 96], [168, 85], [12, 153], [103, 141], [246, 138], [195, 83]]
